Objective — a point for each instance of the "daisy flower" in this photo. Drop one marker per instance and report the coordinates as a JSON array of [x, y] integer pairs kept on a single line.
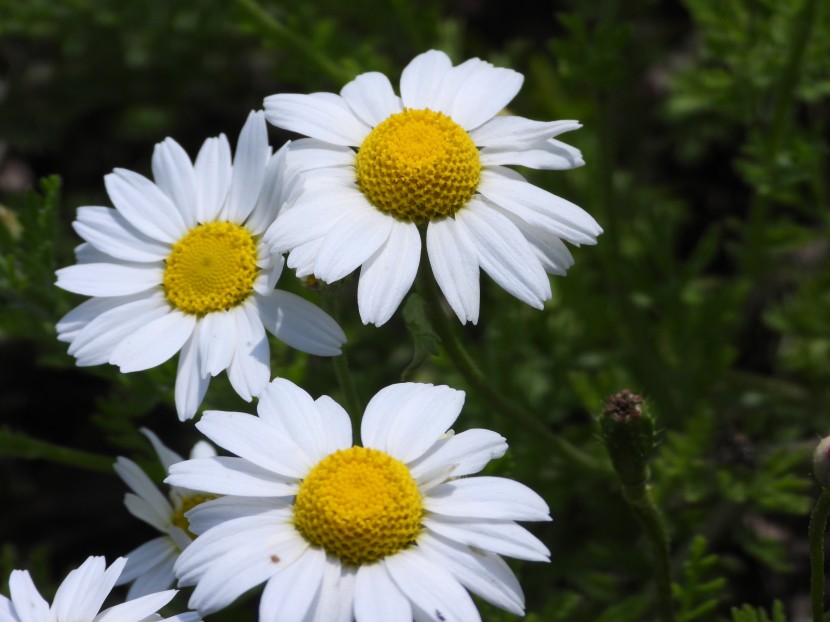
[[383, 165], [80, 597], [180, 265], [386, 531], [150, 566]]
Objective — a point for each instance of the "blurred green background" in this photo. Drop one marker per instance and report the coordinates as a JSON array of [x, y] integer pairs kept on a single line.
[[705, 137]]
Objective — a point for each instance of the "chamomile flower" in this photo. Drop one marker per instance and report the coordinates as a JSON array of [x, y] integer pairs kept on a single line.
[[380, 166], [80, 597], [150, 566], [180, 265], [386, 531]]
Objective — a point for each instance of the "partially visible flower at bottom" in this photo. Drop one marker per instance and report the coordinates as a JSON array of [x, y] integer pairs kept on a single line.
[[386, 532], [150, 566], [80, 596]]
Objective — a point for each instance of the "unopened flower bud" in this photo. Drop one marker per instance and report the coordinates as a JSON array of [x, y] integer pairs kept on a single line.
[[821, 462], [628, 432]]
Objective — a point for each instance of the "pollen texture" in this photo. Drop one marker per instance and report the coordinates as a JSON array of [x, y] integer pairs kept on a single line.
[[212, 268], [359, 504], [418, 165], [188, 503]]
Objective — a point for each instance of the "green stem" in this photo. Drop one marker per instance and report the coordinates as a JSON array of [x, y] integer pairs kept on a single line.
[[354, 404], [465, 365], [18, 445], [297, 42], [818, 525], [641, 503]]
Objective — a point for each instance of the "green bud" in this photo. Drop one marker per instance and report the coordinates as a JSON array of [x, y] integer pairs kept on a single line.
[[628, 432], [821, 463]]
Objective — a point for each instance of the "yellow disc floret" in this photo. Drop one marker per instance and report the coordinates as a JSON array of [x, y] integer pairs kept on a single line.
[[212, 268], [359, 504], [418, 165], [188, 503]]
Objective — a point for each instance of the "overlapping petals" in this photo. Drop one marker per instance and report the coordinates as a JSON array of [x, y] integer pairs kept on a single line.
[[511, 229], [131, 323], [249, 537]]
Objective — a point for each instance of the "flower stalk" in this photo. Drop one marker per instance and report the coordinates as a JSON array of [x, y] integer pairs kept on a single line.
[[628, 432]]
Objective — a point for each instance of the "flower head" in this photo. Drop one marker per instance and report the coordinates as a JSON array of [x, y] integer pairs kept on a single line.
[[378, 166], [150, 566], [390, 530], [80, 597], [180, 265]]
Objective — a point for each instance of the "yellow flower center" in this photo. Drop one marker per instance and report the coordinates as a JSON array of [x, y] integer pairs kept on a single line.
[[359, 504], [212, 268], [188, 503], [418, 165]]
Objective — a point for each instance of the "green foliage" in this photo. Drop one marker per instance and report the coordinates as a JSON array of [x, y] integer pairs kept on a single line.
[[748, 614], [705, 145], [698, 594]]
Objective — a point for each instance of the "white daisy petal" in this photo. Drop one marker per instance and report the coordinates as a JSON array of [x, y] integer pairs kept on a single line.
[[551, 155], [191, 385], [308, 154], [144, 487], [229, 507], [29, 605], [416, 425], [95, 587], [111, 233], [272, 196], [313, 216], [375, 426], [300, 324], [156, 579], [256, 441], [150, 554], [350, 244], [336, 595], [289, 595], [216, 589], [540, 208], [213, 171], [551, 251], [216, 338], [387, 276], [517, 133], [317, 115], [165, 455], [71, 324], [225, 475], [421, 79], [251, 364], [302, 257], [371, 98], [173, 173], [289, 411], [109, 279], [377, 598], [487, 497], [250, 161], [138, 609], [95, 342], [430, 587], [467, 452], [504, 254], [337, 425], [454, 264], [499, 536], [474, 92], [145, 206], [482, 573], [153, 343]]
